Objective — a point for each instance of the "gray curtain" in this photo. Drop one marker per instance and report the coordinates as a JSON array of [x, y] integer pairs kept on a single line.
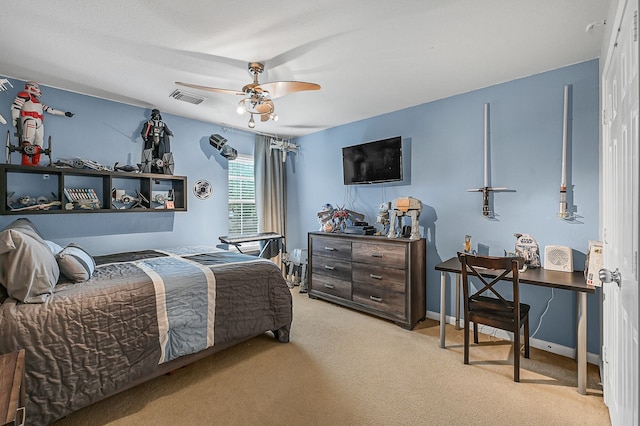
[[271, 195]]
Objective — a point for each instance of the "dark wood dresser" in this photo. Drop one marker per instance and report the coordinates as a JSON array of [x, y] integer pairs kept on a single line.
[[374, 274], [12, 389]]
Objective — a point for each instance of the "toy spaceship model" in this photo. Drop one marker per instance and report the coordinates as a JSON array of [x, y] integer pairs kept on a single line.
[[3, 88], [335, 219]]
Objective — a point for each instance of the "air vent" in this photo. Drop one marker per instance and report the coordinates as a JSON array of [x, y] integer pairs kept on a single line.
[[186, 97]]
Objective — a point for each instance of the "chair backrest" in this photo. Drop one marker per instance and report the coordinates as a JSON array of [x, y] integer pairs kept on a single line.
[[476, 265]]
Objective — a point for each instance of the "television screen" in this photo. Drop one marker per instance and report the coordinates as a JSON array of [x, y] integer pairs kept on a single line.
[[373, 162]]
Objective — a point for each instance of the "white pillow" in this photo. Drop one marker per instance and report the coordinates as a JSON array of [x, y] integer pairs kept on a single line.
[[55, 248]]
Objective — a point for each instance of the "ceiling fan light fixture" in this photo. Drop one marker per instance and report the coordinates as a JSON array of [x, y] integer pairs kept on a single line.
[[258, 98]]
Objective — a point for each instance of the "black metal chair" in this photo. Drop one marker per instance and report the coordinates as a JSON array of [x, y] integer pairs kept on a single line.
[[495, 310]]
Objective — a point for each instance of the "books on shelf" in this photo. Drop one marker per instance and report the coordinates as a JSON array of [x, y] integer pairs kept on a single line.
[[84, 198]]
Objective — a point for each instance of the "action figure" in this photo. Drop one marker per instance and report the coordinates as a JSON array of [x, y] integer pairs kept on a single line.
[[27, 113], [156, 136]]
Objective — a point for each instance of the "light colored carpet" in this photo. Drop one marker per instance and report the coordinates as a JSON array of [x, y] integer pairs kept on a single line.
[[343, 367]]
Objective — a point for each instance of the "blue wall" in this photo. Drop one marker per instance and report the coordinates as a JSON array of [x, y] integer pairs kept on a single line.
[[109, 132], [446, 139]]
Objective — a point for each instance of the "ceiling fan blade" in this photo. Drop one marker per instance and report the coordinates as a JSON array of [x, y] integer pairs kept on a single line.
[[278, 89], [210, 89]]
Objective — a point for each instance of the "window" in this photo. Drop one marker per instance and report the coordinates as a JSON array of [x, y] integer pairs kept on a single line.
[[243, 217]]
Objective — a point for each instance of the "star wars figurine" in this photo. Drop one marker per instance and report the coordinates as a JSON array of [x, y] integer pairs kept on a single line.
[[157, 156], [27, 114], [409, 207]]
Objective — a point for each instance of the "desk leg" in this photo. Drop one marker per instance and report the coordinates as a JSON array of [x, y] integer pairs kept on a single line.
[[457, 301], [582, 343], [443, 305]]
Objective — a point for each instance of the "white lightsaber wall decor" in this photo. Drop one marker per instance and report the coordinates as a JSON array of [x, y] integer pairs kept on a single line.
[[563, 214], [486, 145], [487, 188]]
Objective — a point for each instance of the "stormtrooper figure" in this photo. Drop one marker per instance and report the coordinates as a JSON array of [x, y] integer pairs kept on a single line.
[[27, 114]]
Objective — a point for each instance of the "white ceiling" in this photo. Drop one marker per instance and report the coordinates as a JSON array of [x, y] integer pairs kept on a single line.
[[369, 56]]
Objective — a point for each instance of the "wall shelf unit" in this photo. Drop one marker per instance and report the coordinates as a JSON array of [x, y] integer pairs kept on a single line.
[[94, 191]]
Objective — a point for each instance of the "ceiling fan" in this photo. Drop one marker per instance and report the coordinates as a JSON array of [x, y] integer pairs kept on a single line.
[[258, 98]]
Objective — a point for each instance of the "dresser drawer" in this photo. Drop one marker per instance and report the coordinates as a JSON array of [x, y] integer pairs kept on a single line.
[[391, 255], [390, 279], [331, 267], [331, 286], [331, 247], [381, 300]]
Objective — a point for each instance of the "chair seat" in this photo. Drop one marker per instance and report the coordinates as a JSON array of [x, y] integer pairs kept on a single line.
[[489, 310], [480, 303]]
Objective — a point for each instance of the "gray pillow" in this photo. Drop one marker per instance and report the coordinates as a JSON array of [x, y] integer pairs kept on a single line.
[[28, 269], [75, 263], [24, 224]]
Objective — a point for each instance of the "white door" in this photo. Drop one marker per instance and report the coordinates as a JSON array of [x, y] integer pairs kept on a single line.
[[620, 93]]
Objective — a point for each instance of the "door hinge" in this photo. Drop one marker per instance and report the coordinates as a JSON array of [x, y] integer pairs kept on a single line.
[[604, 354], [635, 25]]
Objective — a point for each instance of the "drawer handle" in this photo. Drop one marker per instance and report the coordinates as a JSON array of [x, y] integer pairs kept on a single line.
[[329, 249], [377, 255], [331, 268], [376, 277], [330, 286], [376, 299]]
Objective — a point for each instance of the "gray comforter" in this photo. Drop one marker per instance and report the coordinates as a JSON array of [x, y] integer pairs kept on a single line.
[[138, 311]]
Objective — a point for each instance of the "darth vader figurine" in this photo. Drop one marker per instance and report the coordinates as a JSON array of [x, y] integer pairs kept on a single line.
[[156, 156]]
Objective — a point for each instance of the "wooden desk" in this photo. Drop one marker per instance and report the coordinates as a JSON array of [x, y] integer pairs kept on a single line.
[[573, 281], [12, 389]]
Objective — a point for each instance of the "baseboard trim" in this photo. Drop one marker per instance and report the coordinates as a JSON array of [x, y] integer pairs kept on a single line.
[[536, 343]]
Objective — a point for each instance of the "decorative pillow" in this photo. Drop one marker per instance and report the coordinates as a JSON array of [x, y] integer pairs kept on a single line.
[[28, 269], [75, 263]]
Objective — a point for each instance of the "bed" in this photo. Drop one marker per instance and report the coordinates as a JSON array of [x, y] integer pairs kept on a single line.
[[103, 324]]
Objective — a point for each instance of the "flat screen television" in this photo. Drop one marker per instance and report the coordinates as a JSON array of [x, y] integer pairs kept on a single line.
[[373, 162]]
